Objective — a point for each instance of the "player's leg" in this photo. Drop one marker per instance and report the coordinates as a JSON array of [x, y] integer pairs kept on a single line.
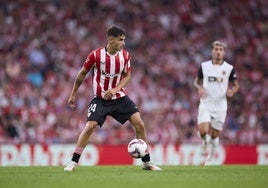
[[214, 140], [83, 139], [139, 126], [125, 109], [203, 131], [95, 117], [81, 144], [203, 122], [214, 144], [216, 128]]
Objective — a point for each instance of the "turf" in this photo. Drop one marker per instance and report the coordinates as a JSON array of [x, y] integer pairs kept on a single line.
[[232, 176]]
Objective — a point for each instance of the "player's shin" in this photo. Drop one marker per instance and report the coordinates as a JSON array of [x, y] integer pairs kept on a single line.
[[214, 145]]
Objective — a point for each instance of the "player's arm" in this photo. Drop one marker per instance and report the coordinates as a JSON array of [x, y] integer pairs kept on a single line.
[[124, 81], [233, 83], [233, 89], [198, 83], [78, 81]]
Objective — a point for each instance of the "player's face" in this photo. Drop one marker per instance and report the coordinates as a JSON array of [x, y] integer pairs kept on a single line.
[[119, 42], [218, 52]]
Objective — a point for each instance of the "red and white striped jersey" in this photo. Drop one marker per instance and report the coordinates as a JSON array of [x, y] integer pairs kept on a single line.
[[107, 70]]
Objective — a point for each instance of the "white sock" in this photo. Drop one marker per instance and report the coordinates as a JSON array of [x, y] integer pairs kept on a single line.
[[214, 144]]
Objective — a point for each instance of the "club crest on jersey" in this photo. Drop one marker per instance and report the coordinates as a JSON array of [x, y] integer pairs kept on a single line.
[[223, 72]]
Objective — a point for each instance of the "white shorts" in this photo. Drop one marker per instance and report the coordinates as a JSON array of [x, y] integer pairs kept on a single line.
[[216, 118]]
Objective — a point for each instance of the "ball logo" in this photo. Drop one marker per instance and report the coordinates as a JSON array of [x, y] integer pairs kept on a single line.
[[137, 148]]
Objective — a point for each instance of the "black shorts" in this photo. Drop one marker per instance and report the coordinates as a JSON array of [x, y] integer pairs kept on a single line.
[[120, 109]]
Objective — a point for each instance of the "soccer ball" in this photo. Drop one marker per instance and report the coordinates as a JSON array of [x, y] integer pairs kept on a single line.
[[137, 148]]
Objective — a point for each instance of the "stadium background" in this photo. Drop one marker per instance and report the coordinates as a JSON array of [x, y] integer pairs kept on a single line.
[[44, 42]]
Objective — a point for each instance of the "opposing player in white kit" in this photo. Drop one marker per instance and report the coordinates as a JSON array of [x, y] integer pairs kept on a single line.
[[215, 80]]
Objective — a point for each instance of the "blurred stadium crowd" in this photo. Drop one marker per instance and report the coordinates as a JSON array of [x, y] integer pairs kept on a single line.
[[43, 44]]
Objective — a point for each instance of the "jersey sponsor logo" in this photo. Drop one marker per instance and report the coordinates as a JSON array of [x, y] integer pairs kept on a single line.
[[215, 79], [109, 74]]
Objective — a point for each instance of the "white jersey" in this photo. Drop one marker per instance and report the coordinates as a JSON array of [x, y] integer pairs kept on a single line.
[[215, 81]]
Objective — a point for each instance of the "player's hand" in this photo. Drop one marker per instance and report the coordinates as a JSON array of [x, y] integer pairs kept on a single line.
[[110, 93], [202, 92], [71, 102], [229, 93]]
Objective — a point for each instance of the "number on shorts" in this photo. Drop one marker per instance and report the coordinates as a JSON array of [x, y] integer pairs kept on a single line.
[[92, 108]]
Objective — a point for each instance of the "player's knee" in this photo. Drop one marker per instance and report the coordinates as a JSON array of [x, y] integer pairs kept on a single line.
[[90, 127], [203, 129], [202, 134]]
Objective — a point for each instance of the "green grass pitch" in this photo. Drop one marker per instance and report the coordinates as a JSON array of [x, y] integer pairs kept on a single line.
[[229, 176]]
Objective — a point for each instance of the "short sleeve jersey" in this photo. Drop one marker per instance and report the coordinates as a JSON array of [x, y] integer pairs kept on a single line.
[[216, 78], [107, 70]]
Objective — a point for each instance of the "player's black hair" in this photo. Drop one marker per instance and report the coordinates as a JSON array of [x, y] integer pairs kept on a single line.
[[115, 31]]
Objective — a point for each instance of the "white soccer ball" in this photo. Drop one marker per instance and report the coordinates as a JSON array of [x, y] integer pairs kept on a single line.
[[137, 148]]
